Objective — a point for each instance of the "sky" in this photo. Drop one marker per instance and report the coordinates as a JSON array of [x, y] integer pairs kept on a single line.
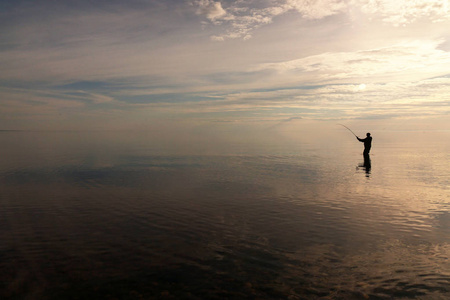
[[166, 65]]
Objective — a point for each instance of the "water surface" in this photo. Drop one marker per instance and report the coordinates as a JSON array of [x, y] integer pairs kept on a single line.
[[118, 216]]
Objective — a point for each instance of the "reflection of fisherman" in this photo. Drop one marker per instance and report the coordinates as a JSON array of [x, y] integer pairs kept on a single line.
[[367, 143]]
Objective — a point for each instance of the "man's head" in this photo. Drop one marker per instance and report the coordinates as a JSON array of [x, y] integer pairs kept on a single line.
[[368, 134]]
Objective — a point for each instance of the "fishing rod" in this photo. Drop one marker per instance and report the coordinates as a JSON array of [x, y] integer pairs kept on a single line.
[[349, 130]]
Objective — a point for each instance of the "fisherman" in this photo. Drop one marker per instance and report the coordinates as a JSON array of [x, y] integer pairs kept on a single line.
[[367, 143]]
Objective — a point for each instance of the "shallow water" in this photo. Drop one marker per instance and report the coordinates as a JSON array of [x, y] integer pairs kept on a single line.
[[116, 216]]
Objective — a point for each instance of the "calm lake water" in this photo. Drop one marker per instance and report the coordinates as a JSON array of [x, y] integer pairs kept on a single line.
[[109, 215]]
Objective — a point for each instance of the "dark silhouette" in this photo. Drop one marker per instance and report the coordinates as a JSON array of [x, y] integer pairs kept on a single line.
[[367, 164], [367, 144]]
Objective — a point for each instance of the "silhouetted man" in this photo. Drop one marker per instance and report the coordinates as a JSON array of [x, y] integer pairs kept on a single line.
[[367, 143]]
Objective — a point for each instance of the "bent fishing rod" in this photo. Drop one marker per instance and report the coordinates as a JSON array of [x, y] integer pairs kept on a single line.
[[349, 130]]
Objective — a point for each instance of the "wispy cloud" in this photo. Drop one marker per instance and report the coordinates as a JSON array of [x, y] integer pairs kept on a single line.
[[403, 12], [400, 60], [243, 17], [211, 9]]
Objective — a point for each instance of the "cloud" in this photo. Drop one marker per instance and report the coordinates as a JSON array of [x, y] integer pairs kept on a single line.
[[400, 59], [316, 9], [392, 99], [403, 12], [99, 45], [243, 17], [211, 9], [17, 103], [292, 119]]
